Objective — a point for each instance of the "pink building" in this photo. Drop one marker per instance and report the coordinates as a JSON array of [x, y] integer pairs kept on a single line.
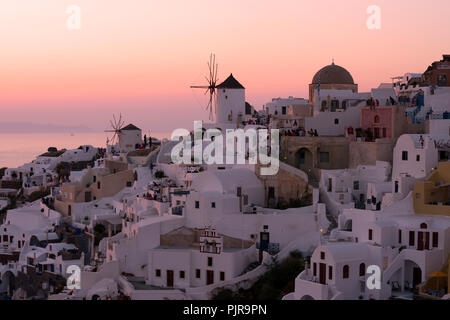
[[384, 122]]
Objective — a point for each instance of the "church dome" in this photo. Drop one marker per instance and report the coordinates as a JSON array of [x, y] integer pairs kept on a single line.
[[333, 74]]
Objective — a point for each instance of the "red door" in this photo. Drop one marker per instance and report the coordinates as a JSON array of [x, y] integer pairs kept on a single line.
[[170, 278], [427, 241], [323, 273], [209, 277], [377, 132], [420, 242]]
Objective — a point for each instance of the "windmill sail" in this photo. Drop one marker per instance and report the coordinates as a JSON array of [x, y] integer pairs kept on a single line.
[[212, 85]]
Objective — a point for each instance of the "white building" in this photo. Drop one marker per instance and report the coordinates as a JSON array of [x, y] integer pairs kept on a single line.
[[414, 155], [215, 193], [231, 106], [185, 267], [130, 136], [280, 106], [406, 248], [341, 189], [336, 110]]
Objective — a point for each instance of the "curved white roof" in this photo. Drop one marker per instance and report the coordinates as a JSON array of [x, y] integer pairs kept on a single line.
[[226, 181]]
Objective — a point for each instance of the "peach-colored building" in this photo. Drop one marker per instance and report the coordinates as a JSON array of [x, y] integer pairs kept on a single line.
[[97, 183]]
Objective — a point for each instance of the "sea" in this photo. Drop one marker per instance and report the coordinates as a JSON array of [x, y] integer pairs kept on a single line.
[[19, 148]]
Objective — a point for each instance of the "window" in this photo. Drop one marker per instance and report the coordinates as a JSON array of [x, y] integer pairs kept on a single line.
[[213, 205], [399, 236], [344, 105], [324, 104], [336, 121], [98, 185], [330, 272], [181, 274], [158, 273], [384, 133], [411, 238], [239, 191], [95, 178], [129, 184], [245, 199], [423, 226], [346, 272], [283, 110], [418, 158], [377, 119], [334, 105], [362, 270], [210, 261], [324, 157], [442, 80], [197, 204], [405, 155], [315, 269], [322, 255], [370, 234], [197, 273], [355, 185], [435, 239], [222, 276]]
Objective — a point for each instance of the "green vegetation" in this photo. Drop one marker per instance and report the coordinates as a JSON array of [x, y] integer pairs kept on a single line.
[[38, 195], [12, 205], [51, 152], [99, 232], [305, 201], [159, 174], [273, 285], [2, 172]]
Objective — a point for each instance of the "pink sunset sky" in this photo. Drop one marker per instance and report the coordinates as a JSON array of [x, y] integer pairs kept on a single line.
[[139, 57]]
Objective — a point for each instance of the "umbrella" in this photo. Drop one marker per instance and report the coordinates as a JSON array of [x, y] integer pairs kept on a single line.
[[438, 274]]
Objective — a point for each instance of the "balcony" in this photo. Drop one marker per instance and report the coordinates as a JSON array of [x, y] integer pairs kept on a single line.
[[307, 285]]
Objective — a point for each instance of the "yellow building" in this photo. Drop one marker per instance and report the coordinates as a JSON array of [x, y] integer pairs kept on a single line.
[[432, 196]]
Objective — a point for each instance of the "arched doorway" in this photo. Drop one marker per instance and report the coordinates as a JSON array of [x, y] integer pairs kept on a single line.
[[7, 285], [406, 278], [307, 297], [413, 275]]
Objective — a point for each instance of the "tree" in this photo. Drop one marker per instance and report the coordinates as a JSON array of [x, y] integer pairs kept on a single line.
[[159, 174], [99, 229]]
